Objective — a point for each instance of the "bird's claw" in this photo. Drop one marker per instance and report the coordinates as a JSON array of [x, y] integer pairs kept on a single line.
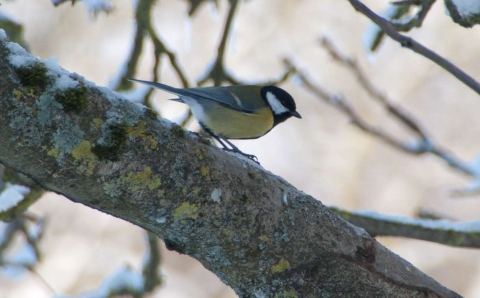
[[249, 156]]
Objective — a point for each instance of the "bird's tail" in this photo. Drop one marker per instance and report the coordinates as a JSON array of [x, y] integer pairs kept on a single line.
[[169, 89]]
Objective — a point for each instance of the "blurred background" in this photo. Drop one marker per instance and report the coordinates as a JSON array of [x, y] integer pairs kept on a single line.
[[322, 154]]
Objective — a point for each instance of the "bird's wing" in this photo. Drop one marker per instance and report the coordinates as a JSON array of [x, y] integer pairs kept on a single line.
[[223, 96], [217, 94]]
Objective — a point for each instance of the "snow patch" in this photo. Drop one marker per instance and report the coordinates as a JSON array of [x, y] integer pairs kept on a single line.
[[3, 35], [52, 64], [472, 226], [65, 82], [467, 8], [372, 31], [136, 95], [216, 195], [95, 7], [12, 195], [4, 17], [25, 256]]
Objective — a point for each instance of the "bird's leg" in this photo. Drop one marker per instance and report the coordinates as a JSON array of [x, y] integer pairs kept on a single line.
[[225, 147], [236, 150]]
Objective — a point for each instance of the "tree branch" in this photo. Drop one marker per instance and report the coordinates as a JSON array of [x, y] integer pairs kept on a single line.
[[218, 72], [413, 21], [460, 234], [258, 233], [421, 146], [418, 48]]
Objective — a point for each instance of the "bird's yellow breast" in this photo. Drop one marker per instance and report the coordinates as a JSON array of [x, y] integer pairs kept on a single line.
[[233, 124]]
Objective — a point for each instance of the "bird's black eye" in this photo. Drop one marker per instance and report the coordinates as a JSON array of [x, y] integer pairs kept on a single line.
[[281, 95]]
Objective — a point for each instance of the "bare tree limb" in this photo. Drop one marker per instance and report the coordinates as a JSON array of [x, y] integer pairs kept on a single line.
[[424, 143], [462, 15], [145, 26], [421, 146], [152, 264], [259, 234], [415, 21], [35, 192], [415, 46], [218, 73], [459, 234]]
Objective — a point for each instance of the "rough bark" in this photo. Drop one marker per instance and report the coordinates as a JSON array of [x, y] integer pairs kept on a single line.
[[259, 234]]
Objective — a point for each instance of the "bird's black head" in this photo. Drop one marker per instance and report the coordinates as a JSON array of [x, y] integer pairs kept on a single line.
[[280, 102]]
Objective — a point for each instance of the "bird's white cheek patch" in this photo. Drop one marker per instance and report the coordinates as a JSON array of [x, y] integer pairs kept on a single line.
[[275, 104]]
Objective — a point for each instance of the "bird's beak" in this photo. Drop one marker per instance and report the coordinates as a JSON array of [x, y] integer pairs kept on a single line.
[[296, 114]]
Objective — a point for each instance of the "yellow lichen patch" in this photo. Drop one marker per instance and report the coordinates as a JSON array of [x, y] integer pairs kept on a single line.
[[281, 266], [83, 151], [152, 143], [53, 152], [291, 294], [205, 171], [196, 190], [142, 180], [186, 210], [138, 131], [263, 238], [161, 193], [83, 154], [17, 94], [97, 123], [31, 91], [199, 153]]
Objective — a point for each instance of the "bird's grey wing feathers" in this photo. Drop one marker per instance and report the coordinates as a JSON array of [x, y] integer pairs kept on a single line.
[[217, 94], [222, 96]]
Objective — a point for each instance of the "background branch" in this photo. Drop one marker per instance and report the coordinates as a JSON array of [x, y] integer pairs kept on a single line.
[[460, 234], [415, 46], [421, 146], [415, 21]]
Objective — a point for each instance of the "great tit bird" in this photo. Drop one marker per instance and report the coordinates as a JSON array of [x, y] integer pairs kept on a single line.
[[235, 112]]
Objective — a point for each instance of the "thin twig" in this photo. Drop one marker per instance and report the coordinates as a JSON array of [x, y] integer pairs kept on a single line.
[[414, 21], [42, 280], [144, 27], [418, 48], [371, 90], [291, 70], [151, 278], [160, 49], [423, 145], [218, 73], [440, 231], [142, 19]]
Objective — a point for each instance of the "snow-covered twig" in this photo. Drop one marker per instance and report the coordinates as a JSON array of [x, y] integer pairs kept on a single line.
[[460, 234], [415, 46]]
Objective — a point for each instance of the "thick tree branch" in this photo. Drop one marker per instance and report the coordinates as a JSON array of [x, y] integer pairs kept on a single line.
[[258, 233]]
